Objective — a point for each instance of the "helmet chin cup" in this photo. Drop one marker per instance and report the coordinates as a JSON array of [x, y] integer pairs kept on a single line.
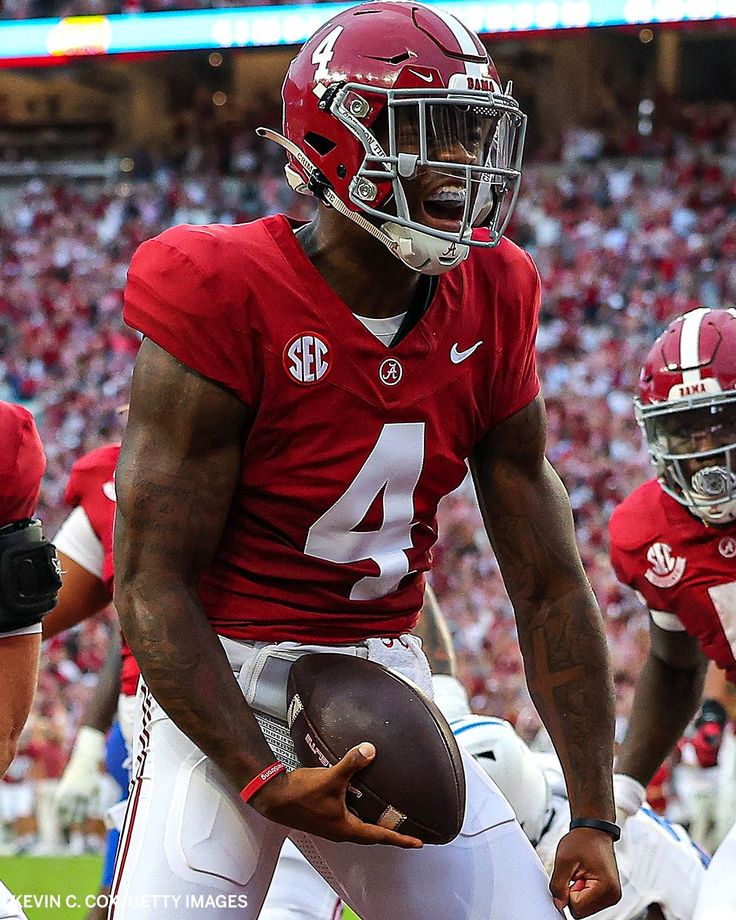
[[716, 483], [422, 252]]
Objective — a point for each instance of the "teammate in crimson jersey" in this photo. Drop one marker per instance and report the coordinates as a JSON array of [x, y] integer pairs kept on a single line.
[[84, 544], [303, 398], [674, 541], [28, 585], [85, 540]]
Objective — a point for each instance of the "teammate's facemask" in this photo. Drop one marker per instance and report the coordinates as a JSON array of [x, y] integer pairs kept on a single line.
[[694, 451], [30, 575]]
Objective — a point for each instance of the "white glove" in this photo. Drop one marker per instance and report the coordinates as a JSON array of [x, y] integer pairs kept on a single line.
[[628, 795], [80, 784]]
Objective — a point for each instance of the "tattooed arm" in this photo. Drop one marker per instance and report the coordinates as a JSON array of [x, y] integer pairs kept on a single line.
[[178, 469], [529, 522]]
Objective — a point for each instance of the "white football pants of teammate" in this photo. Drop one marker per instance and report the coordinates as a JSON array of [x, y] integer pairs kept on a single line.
[[191, 848]]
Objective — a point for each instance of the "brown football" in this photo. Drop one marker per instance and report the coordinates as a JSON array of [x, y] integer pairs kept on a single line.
[[416, 784]]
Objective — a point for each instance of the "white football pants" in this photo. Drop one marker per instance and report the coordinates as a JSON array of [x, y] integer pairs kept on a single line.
[[717, 899], [297, 892], [191, 848]]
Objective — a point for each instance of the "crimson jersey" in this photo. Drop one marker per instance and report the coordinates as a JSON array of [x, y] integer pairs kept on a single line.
[[22, 464], [351, 444], [685, 571], [92, 487]]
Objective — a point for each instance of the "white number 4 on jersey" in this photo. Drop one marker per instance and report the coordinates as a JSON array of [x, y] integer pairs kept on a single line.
[[394, 467]]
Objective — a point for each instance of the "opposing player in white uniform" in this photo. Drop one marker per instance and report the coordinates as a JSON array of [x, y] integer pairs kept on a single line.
[[29, 581], [660, 866], [661, 869]]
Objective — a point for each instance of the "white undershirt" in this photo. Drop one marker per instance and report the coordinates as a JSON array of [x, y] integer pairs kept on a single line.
[[383, 329]]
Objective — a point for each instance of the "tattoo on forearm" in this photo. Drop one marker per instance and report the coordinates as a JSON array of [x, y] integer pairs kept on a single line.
[[561, 634]]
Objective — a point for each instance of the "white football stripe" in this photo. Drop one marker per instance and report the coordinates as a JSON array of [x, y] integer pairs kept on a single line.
[[467, 45], [689, 345]]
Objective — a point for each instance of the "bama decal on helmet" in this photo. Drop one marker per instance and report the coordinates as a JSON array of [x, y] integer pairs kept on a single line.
[[481, 81], [666, 570]]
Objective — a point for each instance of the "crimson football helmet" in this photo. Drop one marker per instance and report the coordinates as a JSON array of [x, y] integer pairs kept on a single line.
[[390, 90], [687, 408]]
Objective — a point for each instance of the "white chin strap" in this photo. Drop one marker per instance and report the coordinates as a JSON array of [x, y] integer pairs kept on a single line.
[[715, 514], [419, 251]]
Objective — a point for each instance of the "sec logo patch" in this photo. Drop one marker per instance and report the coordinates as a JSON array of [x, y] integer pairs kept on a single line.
[[727, 547], [666, 570], [307, 358]]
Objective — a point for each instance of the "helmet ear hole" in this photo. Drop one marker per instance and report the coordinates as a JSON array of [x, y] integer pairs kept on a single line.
[[319, 143]]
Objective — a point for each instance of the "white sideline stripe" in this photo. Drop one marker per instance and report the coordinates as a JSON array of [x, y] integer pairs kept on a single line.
[[689, 345]]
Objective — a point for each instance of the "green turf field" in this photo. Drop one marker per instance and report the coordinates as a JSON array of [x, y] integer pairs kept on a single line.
[[57, 886]]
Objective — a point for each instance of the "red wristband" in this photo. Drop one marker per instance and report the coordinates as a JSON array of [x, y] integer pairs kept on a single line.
[[260, 780]]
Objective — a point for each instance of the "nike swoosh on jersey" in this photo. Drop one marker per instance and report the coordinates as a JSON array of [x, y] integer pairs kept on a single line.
[[458, 356], [427, 77]]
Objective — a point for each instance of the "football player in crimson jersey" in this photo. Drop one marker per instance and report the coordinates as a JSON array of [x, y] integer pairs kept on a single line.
[[674, 541], [303, 398], [28, 584]]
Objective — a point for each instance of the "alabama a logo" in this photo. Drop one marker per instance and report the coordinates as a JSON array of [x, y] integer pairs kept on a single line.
[[390, 372], [666, 570], [307, 358], [727, 547]]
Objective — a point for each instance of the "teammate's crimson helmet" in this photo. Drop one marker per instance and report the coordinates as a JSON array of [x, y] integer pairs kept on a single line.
[[687, 408], [390, 89]]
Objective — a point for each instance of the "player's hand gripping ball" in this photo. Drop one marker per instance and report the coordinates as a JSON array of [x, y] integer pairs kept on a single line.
[[416, 783]]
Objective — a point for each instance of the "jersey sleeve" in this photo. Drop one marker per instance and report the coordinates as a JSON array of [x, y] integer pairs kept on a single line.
[[182, 293], [620, 560], [22, 463], [516, 382]]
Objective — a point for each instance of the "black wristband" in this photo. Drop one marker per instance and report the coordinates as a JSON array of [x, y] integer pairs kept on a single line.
[[596, 824]]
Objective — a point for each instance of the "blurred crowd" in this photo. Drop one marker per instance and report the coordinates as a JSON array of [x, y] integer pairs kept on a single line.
[[623, 244]]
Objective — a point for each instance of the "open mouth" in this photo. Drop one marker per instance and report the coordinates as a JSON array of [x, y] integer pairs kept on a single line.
[[444, 208]]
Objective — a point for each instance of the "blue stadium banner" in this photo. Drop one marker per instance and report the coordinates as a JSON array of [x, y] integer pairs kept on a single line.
[[260, 27]]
